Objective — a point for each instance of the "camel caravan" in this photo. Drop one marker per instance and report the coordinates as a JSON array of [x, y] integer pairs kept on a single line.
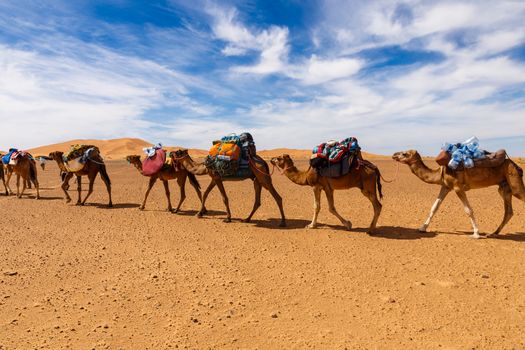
[[333, 166]]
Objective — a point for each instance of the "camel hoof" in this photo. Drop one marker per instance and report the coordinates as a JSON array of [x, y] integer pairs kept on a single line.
[[422, 229], [199, 215], [475, 235], [141, 207], [282, 224], [311, 226], [492, 235], [110, 205], [246, 220], [348, 225], [227, 220], [175, 211]]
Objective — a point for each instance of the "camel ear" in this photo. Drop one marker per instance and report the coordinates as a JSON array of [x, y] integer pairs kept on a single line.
[[286, 156]]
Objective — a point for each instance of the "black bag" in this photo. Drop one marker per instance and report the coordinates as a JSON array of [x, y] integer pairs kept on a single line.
[[337, 169]]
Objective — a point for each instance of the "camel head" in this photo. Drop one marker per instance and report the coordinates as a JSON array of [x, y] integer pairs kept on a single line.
[[133, 159], [57, 155], [407, 157], [283, 162]]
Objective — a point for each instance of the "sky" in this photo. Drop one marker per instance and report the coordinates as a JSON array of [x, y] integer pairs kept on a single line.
[[397, 75]]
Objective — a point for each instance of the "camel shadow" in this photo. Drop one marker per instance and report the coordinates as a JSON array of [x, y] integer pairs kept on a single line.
[[115, 206], [291, 224], [517, 237], [401, 233], [194, 212], [48, 198]]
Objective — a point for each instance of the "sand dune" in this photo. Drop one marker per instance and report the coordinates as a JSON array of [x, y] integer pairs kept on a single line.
[[120, 148]]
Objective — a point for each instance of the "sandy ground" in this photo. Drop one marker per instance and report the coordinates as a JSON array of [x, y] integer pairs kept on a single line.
[[91, 277]]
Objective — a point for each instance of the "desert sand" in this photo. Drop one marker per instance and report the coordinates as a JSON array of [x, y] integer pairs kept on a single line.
[[97, 278]]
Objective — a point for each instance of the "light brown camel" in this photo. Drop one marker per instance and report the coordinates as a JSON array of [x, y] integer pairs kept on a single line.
[[366, 177], [93, 166], [26, 169], [165, 174], [508, 176], [260, 176]]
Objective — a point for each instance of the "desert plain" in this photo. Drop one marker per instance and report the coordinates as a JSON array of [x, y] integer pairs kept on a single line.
[[90, 277]]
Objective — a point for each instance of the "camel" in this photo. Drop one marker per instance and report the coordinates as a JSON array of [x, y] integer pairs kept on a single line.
[[93, 166], [260, 177], [166, 174], [508, 177], [366, 177], [26, 169]]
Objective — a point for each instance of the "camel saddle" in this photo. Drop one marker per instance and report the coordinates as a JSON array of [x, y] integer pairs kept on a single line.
[[77, 151], [74, 165], [491, 160], [152, 165]]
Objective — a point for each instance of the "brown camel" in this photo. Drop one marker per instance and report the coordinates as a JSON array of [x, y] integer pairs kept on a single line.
[[26, 169], [166, 174], [508, 176], [366, 177], [93, 166], [260, 177]]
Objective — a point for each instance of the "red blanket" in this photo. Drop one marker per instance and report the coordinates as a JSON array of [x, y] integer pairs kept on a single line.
[[152, 165]]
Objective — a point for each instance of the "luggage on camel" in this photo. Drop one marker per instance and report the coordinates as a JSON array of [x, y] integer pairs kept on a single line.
[[155, 160], [334, 159], [230, 156], [468, 155], [78, 155], [12, 156]]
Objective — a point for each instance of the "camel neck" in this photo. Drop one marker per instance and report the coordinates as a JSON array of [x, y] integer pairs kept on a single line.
[[297, 176], [138, 164], [431, 176], [61, 164]]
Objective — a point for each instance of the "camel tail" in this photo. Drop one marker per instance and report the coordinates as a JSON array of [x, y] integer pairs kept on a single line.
[[32, 171], [104, 173], [518, 168], [379, 185], [193, 180]]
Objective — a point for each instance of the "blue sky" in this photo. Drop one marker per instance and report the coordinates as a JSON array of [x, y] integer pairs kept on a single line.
[[395, 74]]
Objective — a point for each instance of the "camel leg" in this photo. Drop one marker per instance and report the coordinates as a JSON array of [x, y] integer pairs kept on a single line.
[[3, 181], [199, 194], [331, 208], [79, 190], [468, 209], [317, 206], [269, 186], [65, 186], [505, 193], [181, 181], [167, 191], [19, 194], [203, 210], [91, 178], [9, 174], [257, 203], [376, 204], [225, 200], [37, 187], [106, 181], [441, 196], [152, 181]]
